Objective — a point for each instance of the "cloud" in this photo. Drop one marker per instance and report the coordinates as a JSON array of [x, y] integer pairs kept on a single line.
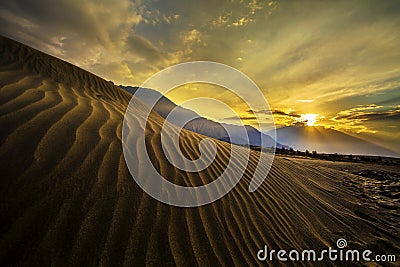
[[82, 32], [241, 118], [320, 50], [140, 47], [290, 114], [97, 35], [281, 118], [340, 54], [374, 121], [305, 100], [92, 22], [275, 112], [368, 113], [192, 36], [221, 20], [241, 22]]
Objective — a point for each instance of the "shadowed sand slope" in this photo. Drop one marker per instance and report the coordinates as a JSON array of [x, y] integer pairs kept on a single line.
[[67, 197]]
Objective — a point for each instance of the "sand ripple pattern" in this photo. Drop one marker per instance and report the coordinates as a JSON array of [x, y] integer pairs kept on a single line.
[[67, 198]]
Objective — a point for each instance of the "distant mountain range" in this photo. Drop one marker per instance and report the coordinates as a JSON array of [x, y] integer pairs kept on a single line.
[[328, 140], [301, 138], [202, 125]]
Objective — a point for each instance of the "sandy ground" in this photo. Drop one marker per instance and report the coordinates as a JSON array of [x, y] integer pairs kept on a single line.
[[67, 198], [376, 185]]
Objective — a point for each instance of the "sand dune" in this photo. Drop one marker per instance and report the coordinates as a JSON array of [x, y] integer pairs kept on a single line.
[[67, 197]]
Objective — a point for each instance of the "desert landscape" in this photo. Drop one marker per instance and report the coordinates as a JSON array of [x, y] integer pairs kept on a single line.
[[68, 199]]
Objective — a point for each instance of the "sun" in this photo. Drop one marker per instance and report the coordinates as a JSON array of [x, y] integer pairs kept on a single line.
[[310, 119]]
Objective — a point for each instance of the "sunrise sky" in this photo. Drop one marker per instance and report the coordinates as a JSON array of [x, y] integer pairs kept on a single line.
[[338, 60]]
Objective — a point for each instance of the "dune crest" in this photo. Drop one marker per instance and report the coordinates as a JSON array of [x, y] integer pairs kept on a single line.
[[68, 198]]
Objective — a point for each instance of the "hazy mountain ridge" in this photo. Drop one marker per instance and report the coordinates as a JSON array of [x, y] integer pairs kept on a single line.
[[200, 124], [328, 140], [297, 137]]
